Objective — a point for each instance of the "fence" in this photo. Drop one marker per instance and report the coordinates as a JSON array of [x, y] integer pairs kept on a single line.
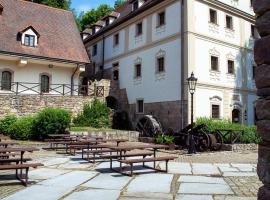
[[24, 88]]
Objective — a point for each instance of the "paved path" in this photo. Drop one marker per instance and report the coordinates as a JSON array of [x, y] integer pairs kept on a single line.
[[70, 178]]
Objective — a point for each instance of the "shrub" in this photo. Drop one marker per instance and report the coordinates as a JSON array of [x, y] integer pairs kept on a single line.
[[51, 121], [164, 139], [22, 128], [96, 115], [6, 123], [250, 132]]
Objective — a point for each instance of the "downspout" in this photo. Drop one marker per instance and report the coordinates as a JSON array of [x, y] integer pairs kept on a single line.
[[182, 64], [103, 54], [72, 79]]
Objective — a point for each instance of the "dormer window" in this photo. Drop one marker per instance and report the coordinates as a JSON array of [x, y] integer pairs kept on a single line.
[[29, 40], [29, 37], [107, 21], [135, 5]]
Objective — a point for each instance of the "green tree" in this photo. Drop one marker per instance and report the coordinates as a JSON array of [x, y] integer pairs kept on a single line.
[[93, 15], [64, 4], [119, 3]]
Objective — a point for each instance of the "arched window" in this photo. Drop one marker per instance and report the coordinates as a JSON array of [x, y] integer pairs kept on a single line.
[[6, 80], [45, 84]]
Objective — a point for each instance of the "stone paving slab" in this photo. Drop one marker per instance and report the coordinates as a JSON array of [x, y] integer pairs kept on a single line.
[[204, 188], [55, 161], [201, 179], [177, 168], [238, 174], [94, 194], [204, 169], [70, 180], [148, 196], [150, 183], [228, 169], [245, 167], [194, 197], [46, 173], [108, 182], [40, 192]]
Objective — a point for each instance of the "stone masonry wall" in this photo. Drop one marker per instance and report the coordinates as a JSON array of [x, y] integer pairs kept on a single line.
[[262, 58], [30, 104]]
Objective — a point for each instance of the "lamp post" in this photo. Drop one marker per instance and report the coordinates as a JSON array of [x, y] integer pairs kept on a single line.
[[192, 83]]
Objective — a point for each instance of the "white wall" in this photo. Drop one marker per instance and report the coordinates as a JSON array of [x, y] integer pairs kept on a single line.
[[250, 109], [172, 25], [137, 41], [243, 5], [111, 50], [152, 88]]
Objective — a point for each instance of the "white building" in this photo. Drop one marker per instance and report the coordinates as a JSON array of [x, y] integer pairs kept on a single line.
[[41, 51], [151, 47]]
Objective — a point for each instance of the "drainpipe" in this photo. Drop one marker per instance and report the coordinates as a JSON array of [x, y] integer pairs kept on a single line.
[[72, 79], [103, 54], [182, 63]]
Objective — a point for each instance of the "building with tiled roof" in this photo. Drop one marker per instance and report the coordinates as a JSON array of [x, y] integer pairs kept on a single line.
[[151, 47], [39, 45]]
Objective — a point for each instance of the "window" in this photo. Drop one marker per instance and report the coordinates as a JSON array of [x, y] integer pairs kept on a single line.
[[254, 32], [94, 50], [116, 71], [116, 39], [140, 106], [251, 3], [138, 71], [230, 67], [161, 19], [135, 5], [139, 28], [45, 84], [215, 111], [213, 16], [94, 68], [253, 71], [29, 40], [229, 22], [107, 21], [160, 65], [6, 80], [214, 63]]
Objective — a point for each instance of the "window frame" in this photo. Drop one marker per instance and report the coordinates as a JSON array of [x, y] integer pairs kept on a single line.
[[158, 71], [216, 16], [231, 24], [219, 109], [233, 66], [116, 39], [139, 29], [95, 47], [159, 21], [29, 37], [9, 84], [136, 74], [211, 66], [45, 88], [138, 106]]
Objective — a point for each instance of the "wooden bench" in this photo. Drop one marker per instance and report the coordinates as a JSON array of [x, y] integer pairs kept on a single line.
[[145, 160], [95, 152], [21, 177], [7, 155], [111, 157], [13, 160]]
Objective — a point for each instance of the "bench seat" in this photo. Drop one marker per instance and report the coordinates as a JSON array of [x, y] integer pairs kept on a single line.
[[14, 160], [8, 155]]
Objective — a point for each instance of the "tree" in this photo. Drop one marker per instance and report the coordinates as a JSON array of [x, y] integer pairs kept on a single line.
[[119, 3], [93, 15], [64, 4]]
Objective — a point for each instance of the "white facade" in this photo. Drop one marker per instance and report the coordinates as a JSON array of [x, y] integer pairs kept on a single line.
[[202, 40]]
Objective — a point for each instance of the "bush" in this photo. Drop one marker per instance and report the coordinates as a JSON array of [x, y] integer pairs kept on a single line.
[[164, 139], [51, 121], [96, 115], [22, 128], [6, 123], [250, 132]]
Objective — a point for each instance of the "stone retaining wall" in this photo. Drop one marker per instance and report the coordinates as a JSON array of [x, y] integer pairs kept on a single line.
[[239, 147], [30, 104], [132, 136]]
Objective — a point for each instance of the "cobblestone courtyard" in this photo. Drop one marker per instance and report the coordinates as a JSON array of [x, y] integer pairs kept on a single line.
[[206, 176]]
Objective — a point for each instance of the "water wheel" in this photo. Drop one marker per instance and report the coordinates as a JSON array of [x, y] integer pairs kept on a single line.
[[216, 140], [148, 126], [202, 142]]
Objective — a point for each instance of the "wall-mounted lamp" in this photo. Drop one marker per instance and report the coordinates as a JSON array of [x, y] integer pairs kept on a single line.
[[50, 66]]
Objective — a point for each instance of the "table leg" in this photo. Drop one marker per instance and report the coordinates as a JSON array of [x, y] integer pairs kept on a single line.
[[155, 157]]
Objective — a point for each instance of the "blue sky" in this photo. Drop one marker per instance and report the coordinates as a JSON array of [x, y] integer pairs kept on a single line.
[[85, 5]]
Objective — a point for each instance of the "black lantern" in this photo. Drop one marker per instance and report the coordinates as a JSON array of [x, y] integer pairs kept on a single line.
[[192, 82]]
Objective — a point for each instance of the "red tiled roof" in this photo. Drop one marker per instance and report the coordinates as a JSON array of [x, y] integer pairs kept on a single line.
[[59, 36]]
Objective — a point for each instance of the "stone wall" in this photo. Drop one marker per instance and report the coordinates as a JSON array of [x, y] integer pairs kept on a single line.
[[262, 58], [30, 104], [168, 113]]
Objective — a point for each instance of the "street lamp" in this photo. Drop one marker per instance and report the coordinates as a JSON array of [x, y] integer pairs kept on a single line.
[[192, 83]]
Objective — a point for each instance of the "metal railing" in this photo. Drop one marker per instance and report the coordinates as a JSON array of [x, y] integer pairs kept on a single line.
[[25, 88]]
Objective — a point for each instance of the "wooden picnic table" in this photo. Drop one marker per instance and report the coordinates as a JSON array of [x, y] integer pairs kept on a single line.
[[6, 144], [22, 150], [118, 141]]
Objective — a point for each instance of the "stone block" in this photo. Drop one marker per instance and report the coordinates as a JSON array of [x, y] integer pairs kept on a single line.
[[263, 127], [262, 51], [263, 171], [261, 6], [262, 78], [264, 153], [263, 24], [264, 193]]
